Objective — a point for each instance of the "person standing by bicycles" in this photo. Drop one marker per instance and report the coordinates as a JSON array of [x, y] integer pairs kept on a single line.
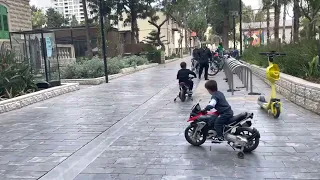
[[195, 59], [205, 54], [220, 49]]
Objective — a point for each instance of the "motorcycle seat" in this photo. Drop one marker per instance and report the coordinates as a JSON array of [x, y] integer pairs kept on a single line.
[[237, 118]]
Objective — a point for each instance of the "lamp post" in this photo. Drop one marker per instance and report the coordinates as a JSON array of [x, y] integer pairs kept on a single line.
[[319, 45], [234, 14], [240, 28], [104, 53]]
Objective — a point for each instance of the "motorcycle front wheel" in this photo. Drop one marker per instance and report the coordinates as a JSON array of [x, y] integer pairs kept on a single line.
[[201, 137], [182, 95]]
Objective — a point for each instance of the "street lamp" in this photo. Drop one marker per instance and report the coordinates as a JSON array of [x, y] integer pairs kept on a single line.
[[240, 28], [234, 14], [104, 53]]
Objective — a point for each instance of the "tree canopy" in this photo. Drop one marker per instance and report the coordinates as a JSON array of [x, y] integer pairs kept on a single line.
[[55, 19], [38, 18]]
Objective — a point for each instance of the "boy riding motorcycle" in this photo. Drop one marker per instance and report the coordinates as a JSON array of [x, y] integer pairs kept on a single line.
[[183, 76], [218, 102]]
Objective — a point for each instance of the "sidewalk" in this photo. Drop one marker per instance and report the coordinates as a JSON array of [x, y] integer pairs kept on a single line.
[[131, 129], [154, 147]]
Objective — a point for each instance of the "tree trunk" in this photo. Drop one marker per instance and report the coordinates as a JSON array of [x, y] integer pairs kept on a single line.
[[89, 47], [163, 48], [134, 24], [186, 38], [133, 27], [296, 16], [225, 34], [284, 23], [310, 31], [268, 25], [276, 20]]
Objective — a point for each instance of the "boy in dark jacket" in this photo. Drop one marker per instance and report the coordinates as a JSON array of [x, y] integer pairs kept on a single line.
[[218, 102], [183, 76]]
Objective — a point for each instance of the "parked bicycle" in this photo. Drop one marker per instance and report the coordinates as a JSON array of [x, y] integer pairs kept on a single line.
[[216, 64], [195, 65]]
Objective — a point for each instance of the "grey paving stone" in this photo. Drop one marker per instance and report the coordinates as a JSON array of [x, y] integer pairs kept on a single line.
[[97, 177], [137, 133]]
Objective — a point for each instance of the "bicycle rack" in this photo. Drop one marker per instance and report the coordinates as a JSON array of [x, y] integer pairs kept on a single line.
[[233, 66]]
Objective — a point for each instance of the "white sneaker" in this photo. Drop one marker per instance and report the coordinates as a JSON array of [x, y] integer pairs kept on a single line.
[[211, 134]]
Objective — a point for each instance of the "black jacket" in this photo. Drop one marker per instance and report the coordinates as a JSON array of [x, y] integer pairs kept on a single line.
[[205, 55], [196, 54], [183, 75]]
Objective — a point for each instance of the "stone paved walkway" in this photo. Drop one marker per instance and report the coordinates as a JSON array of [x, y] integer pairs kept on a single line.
[[131, 129]]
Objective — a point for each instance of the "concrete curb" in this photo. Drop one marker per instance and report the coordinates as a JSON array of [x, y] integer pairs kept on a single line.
[[31, 98], [100, 80], [175, 59]]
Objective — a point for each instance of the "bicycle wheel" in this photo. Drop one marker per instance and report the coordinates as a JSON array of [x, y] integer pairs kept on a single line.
[[213, 68], [221, 64]]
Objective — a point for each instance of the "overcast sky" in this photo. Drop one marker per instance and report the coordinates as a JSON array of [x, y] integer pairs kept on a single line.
[[255, 4]]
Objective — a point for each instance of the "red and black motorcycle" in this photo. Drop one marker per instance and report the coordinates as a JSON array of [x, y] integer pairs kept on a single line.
[[238, 132]]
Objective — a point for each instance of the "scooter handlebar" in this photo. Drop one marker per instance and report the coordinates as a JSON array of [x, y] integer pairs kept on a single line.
[[272, 54]]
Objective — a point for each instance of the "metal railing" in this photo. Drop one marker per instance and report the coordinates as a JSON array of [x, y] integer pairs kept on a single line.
[[233, 66]]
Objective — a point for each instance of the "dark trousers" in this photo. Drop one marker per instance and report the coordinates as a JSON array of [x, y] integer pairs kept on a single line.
[[204, 66], [189, 84], [221, 121]]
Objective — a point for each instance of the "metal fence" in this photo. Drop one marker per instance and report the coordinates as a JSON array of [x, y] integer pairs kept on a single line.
[[233, 66]]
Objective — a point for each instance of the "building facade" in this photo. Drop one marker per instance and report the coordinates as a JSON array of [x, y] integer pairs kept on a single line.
[[170, 32], [70, 8], [15, 15], [258, 31]]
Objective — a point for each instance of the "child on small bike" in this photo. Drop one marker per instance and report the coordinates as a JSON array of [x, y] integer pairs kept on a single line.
[[183, 76], [218, 102]]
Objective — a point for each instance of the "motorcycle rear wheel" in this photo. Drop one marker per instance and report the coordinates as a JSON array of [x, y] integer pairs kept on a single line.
[[253, 144], [190, 129]]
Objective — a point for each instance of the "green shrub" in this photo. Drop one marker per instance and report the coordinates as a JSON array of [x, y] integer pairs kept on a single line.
[[154, 56], [296, 63], [15, 77], [95, 67]]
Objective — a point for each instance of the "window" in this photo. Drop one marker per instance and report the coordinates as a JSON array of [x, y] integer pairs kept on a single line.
[[4, 26], [5, 23]]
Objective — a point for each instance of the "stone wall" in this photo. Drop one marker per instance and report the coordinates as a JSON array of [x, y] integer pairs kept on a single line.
[[25, 100], [301, 92], [19, 14]]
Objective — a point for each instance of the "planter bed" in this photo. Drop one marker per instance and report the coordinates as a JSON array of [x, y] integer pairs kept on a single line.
[[299, 91], [31, 98], [100, 80]]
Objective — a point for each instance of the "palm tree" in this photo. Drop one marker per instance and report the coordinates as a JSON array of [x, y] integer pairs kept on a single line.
[[89, 48], [296, 16], [267, 6], [284, 3], [276, 6]]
